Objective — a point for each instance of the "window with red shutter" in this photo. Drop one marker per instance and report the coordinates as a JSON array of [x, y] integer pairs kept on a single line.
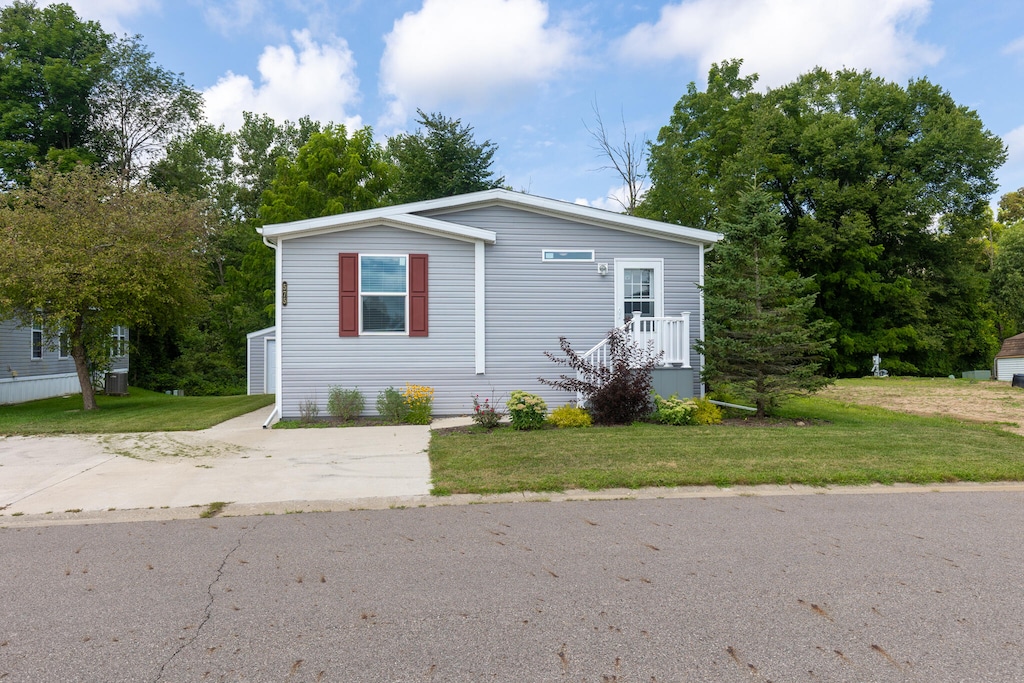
[[348, 295]]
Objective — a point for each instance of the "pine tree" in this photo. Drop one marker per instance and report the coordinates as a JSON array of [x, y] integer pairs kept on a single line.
[[758, 338]]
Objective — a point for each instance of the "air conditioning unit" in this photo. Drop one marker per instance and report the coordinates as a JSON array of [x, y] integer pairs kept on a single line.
[[116, 384]]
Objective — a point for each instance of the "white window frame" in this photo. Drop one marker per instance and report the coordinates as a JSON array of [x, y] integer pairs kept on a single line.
[[544, 255], [63, 346], [657, 285], [405, 295], [37, 328], [119, 341]]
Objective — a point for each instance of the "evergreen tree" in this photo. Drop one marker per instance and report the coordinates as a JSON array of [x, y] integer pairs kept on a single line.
[[758, 336], [441, 159]]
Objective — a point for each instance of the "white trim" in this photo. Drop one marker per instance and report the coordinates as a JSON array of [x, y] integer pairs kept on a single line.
[[266, 342], [401, 216], [700, 314], [376, 217], [657, 283], [257, 333], [279, 324], [405, 294], [479, 304]]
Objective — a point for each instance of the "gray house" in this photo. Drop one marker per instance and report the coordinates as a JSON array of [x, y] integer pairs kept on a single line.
[[466, 293], [32, 367]]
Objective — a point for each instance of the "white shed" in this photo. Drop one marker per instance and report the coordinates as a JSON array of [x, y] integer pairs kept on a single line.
[[261, 361], [1010, 359]]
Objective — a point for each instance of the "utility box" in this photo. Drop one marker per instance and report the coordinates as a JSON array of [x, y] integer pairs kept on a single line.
[[116, 384]]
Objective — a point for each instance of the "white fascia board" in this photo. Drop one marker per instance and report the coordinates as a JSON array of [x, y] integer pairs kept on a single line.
[[259, 332], [365, 219], [551, 207]]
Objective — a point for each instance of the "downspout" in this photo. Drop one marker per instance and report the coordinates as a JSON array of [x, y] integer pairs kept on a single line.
[[276, 412]]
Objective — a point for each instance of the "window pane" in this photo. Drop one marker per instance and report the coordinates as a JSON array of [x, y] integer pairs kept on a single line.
[[383, 313], [383, 274]]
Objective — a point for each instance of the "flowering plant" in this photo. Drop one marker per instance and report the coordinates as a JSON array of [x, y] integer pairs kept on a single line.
[[420, 400], [486, 413], [527, 410]]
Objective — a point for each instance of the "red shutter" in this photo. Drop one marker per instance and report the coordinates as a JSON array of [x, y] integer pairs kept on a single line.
[[348, 295], [418, 295]]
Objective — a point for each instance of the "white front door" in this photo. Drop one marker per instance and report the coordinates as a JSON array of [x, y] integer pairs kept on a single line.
[[270, 366], [639, 286]]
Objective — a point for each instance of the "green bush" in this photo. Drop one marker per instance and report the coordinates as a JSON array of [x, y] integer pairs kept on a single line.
[[707, 413], [674, 411], [527, 410], [391, 405], [685, 411], [345, 404], [569, 416]]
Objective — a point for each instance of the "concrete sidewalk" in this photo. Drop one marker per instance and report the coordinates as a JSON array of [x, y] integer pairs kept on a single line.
[[235, 461]]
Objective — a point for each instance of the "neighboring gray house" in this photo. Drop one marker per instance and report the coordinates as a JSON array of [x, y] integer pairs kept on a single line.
[[466, 293], [1010, 359], [32, 368]]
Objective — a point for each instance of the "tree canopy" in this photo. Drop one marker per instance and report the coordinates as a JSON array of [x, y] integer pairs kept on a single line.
[[85, 254], [882, 190], [441, 159], [50, 62]]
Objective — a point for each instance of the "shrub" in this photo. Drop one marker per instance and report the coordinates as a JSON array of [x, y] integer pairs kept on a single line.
[[569, 416], [391, 406], [689, 411], [707, 413], [309, 411], [420, 401], [345, 404], [616, 393], [674, 411], [527, 410], [486, 414]]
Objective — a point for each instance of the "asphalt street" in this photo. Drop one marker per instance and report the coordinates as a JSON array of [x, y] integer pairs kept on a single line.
[[913, 587]]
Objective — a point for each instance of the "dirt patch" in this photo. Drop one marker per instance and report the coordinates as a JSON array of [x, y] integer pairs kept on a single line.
[[972, 401]]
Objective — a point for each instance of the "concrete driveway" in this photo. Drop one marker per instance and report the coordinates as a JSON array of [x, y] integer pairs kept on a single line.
[[236, 461]]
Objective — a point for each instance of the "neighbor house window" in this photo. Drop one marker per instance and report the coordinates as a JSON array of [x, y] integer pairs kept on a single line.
[[64, 345], [119, 340], [382, 294], [37, 336]]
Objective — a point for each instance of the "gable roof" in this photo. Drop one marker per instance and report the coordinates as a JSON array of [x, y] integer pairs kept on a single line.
[[411, 217], [1012, 347]]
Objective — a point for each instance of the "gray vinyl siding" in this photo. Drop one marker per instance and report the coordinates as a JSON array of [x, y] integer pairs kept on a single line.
[[529, 304], [1006, 368], [16, 354]]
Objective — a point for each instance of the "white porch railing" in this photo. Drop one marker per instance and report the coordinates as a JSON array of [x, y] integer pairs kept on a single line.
[[669, 335]]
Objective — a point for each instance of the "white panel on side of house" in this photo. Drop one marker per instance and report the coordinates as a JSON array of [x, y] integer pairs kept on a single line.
[[271, 367]]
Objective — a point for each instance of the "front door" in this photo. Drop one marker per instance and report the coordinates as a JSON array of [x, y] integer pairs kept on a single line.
[[639, 286]]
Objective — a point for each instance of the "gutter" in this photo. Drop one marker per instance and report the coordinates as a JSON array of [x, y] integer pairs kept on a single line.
[[270, 419]]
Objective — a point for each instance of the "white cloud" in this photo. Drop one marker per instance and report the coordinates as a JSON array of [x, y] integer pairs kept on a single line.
[[1014, 46], [319, 80], [780, 39], [472, 51], [616, 200], [233, 15]]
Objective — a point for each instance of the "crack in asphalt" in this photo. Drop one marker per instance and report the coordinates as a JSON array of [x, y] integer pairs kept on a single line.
[[208, 611]]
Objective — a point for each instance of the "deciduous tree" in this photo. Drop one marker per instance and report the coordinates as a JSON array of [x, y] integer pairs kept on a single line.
[[90, 254]]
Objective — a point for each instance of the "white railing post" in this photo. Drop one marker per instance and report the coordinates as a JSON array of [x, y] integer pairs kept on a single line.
[[686, 339]]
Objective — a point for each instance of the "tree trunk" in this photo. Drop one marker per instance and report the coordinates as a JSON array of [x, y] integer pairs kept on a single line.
[[82, 367]]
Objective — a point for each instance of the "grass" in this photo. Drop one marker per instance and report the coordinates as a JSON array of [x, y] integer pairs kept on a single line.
[[140, 411], [842, 444]]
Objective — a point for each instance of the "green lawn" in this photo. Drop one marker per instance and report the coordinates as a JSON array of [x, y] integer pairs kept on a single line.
[[842, 444], [141, 411]]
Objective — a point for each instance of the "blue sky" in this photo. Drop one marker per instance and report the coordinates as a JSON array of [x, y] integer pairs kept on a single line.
[[525, 73]]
